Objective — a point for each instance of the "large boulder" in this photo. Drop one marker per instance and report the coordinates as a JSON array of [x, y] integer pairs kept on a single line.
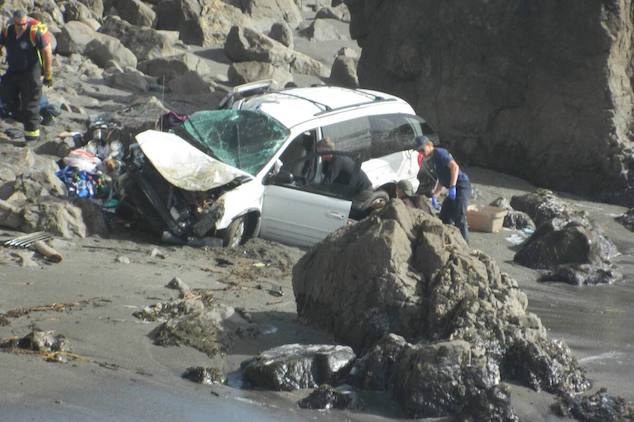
[[339, 12], [435, 380], [105, 48], [189, 83], [401, 271], [505, 85], [295, 366], [77, 11], [144, 43], [74, 37], [55, 216], [95, 6], [136, 12], [567, 245], [245, 44], [266, 12], [568, 250], [128, 78], [323, 30], [167, 68], [206, 24], [283, 34], [243, 72], [344, 72]]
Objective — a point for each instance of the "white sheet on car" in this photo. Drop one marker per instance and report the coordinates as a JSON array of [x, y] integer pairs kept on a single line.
[[183, 165]]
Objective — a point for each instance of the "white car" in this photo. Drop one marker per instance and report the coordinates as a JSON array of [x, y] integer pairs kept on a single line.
[[250, 168]]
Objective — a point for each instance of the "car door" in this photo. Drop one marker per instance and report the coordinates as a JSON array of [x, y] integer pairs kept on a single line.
[[298, 217]]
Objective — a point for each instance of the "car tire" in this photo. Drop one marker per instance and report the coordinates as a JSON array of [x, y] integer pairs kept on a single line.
[[236, 234]]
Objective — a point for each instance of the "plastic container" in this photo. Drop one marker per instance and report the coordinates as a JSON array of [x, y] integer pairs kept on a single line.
[[485, 219]]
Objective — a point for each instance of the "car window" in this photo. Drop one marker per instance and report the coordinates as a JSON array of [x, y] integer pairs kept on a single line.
[[396, 132], [377, 135], [298, 158], [351, 136], [243, 139]]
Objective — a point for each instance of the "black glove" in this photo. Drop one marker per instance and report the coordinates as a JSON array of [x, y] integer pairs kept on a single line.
[[48, 80]]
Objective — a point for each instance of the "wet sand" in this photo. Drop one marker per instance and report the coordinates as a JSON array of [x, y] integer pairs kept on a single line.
[[123, 376]]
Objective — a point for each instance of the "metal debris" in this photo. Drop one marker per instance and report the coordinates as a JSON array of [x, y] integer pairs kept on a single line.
[[27, 240]]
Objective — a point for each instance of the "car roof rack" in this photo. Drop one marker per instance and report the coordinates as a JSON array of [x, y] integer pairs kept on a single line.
[[244, 91]]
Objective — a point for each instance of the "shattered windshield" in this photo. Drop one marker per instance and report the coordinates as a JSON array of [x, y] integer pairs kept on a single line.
[[240, 138]]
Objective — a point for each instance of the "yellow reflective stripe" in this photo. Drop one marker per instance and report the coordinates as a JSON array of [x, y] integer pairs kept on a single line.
[[32, 133]]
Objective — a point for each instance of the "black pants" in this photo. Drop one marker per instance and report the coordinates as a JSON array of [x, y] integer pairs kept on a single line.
[[455, 211], [21, 94]]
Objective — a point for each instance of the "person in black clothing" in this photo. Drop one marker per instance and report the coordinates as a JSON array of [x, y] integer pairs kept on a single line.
[[30, 59], [341, 172]]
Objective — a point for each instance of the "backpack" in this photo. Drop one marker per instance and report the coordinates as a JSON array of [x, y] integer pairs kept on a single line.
[[35, 26]]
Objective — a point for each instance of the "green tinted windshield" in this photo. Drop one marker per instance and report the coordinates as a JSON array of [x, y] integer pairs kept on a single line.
[[243, 139]]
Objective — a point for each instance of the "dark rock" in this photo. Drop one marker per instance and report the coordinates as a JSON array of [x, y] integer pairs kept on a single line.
[[295, 366], [544, 366], [568, 251], [627, 219], [322, 30], [55, 216], [167, 68], [542, 206], [240, 73], [96, 6], [327, 397], [128, 78], [207, 376], [344, 72], [266, 12], [598, 407], [282, 33], [339, 12], [402, 272], [518, 220], [529, 65], [178, 284], [244, 44], [432, 380], [44, 341], [189, 83], [74, 37], [105, 48], [136, 12], [566, 244], [172, 15], [93, 215], [205, 24], [145, 43], [77, 11]]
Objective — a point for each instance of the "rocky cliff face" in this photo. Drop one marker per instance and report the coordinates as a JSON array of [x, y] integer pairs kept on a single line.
[[539, 89]]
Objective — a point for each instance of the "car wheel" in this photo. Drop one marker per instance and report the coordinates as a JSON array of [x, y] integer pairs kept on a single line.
[[236, 233]]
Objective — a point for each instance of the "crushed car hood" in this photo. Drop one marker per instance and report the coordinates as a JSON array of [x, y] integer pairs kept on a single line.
[[182, 164]]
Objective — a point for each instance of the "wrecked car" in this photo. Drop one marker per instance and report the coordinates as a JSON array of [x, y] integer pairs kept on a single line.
[[250, 168]]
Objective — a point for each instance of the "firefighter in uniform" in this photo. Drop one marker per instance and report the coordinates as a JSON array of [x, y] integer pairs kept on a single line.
[[30, 61]]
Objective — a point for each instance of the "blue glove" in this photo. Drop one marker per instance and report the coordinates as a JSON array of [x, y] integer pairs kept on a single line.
[[434, 203], [452, 193]]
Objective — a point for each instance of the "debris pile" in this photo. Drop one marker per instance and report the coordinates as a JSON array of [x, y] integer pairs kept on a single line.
[[53, 347], [196, 320]]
